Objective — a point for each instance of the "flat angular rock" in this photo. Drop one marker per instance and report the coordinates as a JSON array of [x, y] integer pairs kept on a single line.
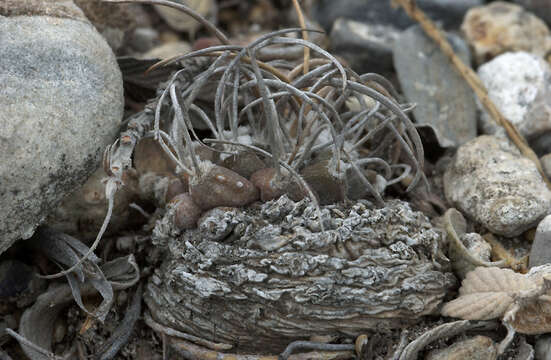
[[520, 85], [62, 103], [491, 183], [267, 275], [444, 100], [501, 27]]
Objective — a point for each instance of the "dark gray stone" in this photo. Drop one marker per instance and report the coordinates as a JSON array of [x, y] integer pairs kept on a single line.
[[449, 12], [444, 100], [62, 103], [540, 253], [366, 47]]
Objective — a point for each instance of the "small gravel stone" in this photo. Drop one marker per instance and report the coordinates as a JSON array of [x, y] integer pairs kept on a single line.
[[540, 253], [476, 348], [62, 103], [500, 27], [444, 100], [366, 47], [520, 86], [490, 182]]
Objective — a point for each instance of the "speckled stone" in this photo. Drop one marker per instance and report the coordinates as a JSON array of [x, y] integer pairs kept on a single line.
[[62, 103], [491, 183]]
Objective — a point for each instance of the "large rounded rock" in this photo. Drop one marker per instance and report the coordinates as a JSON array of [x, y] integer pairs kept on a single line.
[[492, 183], [62, 103]]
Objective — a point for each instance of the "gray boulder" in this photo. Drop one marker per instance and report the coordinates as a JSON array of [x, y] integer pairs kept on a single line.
[[493, 184], [62, 103]]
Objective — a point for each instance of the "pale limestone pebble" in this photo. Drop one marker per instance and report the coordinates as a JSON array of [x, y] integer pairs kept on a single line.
[[475, 348], [491, 183], [62, 104], [264, 278], [500, 27], [520, 86]]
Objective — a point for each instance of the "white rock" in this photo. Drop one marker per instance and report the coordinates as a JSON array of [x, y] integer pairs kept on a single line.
[[490, 182], [520, 86]]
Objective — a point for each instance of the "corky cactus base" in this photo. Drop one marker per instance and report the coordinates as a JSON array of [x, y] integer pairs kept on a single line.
[[261, 277]]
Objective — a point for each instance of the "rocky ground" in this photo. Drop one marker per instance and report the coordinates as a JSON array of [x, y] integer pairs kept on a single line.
[[247, 200]]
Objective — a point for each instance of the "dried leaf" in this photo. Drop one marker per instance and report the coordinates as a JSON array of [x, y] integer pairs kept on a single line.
[[122, 333], [522, 301], [487, 293], [478, 306], [494, 279], [37, 322]]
